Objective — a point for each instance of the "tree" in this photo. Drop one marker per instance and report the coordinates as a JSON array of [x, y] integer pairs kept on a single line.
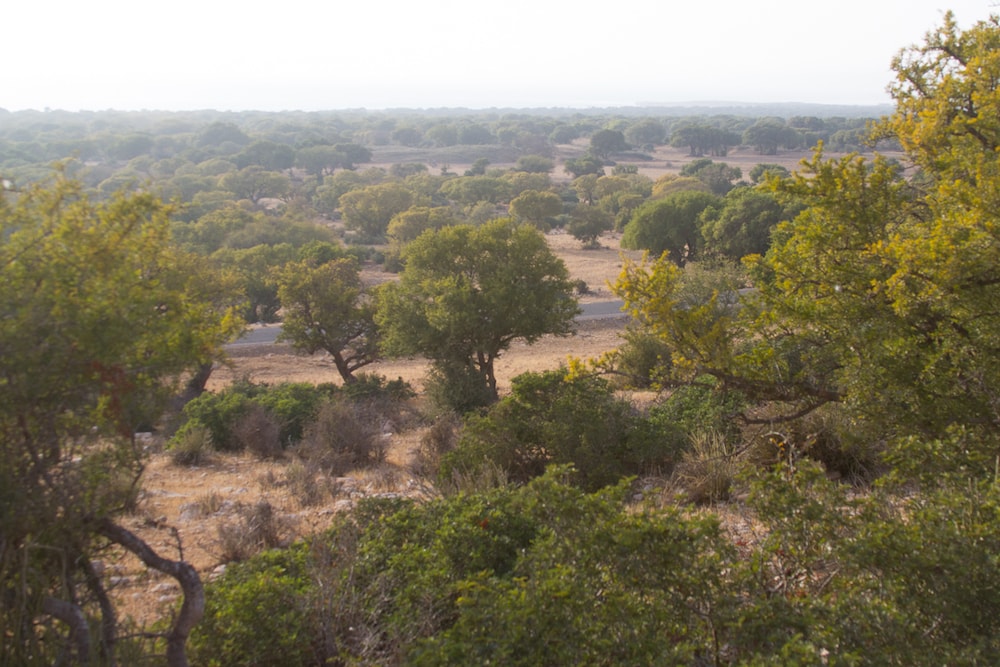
[[411, 223], [468, 292], [586, 223], [322, 160], [327, 308], [254, 183], [584, 166], [267, 155], [535, 164], [647, 131], [101, 324], [605, 142], [369, 210], [670, 225], [718, 176], [536, 207], [768, 134], [880, 296], [743, 223]]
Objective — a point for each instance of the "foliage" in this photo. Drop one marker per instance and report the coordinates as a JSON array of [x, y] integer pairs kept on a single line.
[[742, 224], [669, 226], [294, 405], [467, 293], [879, 294], [326, 308], [587, 223], [536, 207], [102, 317], [554, 418], [369, 210], [257, 613]]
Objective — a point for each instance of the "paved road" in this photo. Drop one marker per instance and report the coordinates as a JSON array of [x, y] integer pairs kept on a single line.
[[591, 311]]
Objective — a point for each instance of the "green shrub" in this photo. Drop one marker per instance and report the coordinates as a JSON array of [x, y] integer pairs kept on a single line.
[[702, 407], [291, 405], [258, 614], [456, 388], [642, 360], [554, 418]]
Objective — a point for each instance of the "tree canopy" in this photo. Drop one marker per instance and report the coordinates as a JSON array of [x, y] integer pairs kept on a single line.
[[467, 293], [102, 319], [879, 296]]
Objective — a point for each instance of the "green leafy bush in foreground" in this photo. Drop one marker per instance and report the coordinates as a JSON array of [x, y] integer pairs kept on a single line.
[[549, 574]]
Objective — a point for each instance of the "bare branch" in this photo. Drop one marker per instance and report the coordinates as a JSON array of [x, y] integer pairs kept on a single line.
[[193, 607]]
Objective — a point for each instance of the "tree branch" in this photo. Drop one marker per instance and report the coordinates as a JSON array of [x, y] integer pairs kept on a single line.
[[193, 607], [73, 616]]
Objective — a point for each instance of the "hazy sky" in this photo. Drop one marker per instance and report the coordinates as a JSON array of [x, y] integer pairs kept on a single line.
[[337, 54]]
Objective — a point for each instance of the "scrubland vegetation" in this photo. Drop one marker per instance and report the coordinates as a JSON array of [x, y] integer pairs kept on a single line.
[[810, 478]]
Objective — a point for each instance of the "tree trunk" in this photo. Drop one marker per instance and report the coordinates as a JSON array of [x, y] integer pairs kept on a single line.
[[193, 607]]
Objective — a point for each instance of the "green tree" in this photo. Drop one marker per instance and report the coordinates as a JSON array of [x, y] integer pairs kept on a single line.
[[718, 176], [411, 223], [583, 166], [587, 223], [647, 131], [879, 295], [369, 210], [467, 293], [536, 164], [670, 225], [327, 308], [254, 183], [605, 142], [102, 321], [536, 207], [741, 225], [267, 155], [768, 134]]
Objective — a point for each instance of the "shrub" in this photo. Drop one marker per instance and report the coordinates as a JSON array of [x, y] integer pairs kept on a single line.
[[642, 360], [702, 407], [191, 447], [257, 528], [554, 418], [259, 432], [707, 470], [435, 443], [291, 406], [258, 614], [456, 388], [343, 436]]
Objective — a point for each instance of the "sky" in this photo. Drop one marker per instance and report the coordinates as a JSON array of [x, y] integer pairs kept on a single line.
[[387, 54]]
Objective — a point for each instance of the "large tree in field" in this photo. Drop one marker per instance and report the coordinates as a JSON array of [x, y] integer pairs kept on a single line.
[[671, 225], [468, 292], [881, 296], [101, 324], [326, 308]]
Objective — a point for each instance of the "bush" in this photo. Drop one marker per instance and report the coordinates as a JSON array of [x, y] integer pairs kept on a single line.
[[258, 614], [553, 418], [344, 436], [259, 432], [456, 388], [642, 360], [291, 406], [257, 529], [191, 447], [702, 407]]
